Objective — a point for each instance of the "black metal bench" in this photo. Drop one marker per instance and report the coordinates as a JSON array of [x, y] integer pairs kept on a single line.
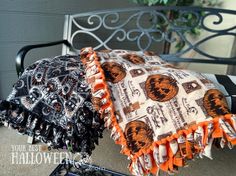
[[143, 28]]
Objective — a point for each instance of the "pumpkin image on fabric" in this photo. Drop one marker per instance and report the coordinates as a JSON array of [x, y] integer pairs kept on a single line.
[[138, 135], [215, 103], [114, 72], [161, 87], [134, 58]]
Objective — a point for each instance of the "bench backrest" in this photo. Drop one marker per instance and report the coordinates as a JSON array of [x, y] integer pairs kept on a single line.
[[158, 29]]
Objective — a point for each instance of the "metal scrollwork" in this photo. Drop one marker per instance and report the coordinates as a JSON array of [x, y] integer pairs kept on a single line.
[[91, 20], [154, 25], [182, 22], [218, 21]]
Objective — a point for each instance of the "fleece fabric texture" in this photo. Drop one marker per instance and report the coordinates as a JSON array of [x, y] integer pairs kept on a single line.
[[159, 114]]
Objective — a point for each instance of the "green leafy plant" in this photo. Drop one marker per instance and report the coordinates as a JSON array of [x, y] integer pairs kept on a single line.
[[179, 2]]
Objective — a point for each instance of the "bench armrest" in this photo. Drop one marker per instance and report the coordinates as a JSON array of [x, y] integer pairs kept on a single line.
[[23, 51]]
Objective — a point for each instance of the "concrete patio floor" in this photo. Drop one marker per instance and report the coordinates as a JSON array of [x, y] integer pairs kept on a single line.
[[107, 155]]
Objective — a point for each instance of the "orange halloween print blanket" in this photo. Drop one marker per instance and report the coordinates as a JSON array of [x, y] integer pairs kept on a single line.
[[160, 115]]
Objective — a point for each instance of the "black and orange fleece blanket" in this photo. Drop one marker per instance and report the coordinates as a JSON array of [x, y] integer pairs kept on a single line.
[[161, 116]]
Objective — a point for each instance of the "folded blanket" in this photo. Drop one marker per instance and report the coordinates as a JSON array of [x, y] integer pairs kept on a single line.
[[161, 116], [52, 101]]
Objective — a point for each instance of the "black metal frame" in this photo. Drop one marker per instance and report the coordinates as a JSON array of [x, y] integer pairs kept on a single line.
[[23, 51], [116, 27], [66, 166], [110, 20]]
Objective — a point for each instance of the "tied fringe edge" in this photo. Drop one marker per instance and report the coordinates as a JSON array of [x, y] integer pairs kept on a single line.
[[17, 117]]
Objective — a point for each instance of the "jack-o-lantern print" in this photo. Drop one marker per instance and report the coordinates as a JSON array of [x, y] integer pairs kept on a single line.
[[114, 72], [215, 103], [134, 58], [161, 87], [138, 135]]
